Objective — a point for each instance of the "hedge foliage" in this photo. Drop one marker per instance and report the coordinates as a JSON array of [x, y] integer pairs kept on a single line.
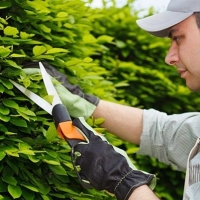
[[97, 48]]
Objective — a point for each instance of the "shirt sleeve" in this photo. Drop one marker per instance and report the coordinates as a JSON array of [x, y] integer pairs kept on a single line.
[[169, 138], [192, 192]]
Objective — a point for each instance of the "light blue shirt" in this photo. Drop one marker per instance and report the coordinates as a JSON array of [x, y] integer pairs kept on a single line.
[[170, 138]]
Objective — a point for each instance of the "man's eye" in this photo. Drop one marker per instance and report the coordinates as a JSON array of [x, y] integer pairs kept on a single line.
[[176, 39]]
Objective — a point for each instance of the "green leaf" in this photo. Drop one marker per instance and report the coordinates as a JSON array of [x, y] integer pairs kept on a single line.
[[2, 89], [9, 92], [27, 117], [132, 150], [4, 52], [20, 98], [23, 145], [18, 122], [33, 159], [44, 28], [26, 82], [39, 50], [2, 137], [5, 4], [8, 41], [36, 77], [43, 188], [3, 188], [53, 154], [51, 133], [59, 170], [10, 180], [3, 128], [99, 121], [7, 83], [105, 38], [44, 57], [4, 110], [57, 50], [89, 38], [1, 26], [25, 35], [7, 171], [15, 191], [10, 133], [9, 30], [23, 115], [4, 118], [93, 77], [28, 195], [62, 14], [13, 64], [15, 55], [88, 60], [2, 155], [67, 190], [9, 72], [73, 62], [12, 152], [10, 103], [120, 44], [26, 111], [49, 98], [3, 21], [27, 152], [69, 165], [44, 197], [122, 84], [99, 130], [30, 187], [13, 166], [51, 162], [68, 25]]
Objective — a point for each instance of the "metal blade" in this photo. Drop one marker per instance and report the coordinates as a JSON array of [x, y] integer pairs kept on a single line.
[[34, 97], [49, 85]]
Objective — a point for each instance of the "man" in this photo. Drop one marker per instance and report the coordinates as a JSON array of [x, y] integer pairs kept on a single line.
[[169, 138]]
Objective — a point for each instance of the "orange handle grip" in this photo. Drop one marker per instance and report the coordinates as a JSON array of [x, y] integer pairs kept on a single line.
[[64, 125], [67, 131]]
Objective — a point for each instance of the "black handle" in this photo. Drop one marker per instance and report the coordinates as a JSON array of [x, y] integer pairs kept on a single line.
[[64, 125], [60, 114]]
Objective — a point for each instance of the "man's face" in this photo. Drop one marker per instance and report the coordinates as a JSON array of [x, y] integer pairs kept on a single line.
[[184, 52]]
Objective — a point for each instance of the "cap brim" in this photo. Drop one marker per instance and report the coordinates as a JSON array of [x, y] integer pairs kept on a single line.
[[159, 24]]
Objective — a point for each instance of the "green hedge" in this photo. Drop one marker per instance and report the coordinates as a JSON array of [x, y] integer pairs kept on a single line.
[[136, 59], [97, 48], [34, 162]]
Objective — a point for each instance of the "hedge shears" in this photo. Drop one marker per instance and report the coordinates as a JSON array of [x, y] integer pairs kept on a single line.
[[61, 117]]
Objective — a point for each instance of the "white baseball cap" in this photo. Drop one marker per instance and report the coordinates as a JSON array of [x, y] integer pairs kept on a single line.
[[177, 11]]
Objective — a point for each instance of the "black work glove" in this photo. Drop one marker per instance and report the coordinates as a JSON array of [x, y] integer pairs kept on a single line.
[[76, 101], [104, 166]]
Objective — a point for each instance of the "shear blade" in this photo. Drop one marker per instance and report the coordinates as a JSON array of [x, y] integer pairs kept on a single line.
[[49, 85], [34, 97]]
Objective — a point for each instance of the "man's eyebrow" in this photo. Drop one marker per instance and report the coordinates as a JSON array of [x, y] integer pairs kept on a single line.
[[171, 32]]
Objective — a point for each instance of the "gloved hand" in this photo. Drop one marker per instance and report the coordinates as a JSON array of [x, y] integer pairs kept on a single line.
[[77, 102], [104, 166]]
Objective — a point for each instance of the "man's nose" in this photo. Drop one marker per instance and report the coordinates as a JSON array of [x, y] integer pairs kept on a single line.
[[172, 56]]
